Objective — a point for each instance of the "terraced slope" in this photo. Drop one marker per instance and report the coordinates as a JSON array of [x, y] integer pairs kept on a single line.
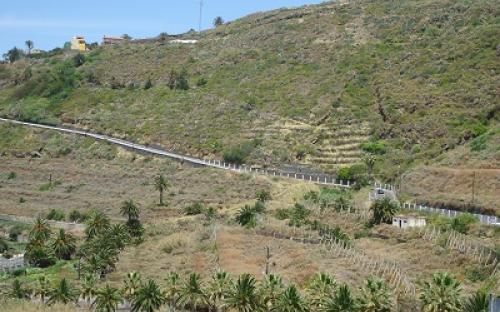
[[419, 77]]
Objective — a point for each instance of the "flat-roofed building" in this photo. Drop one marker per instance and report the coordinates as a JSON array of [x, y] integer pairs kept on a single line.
[[408, 221], [112, 40], [78, 43]]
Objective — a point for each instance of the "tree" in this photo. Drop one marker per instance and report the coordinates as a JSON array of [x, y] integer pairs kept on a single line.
[[291, 301], [40, 230], [130, 210], [148, 85], [63, 293], [13, 55], [218, 290], [321, 287], [161, 184], [182, 80], [218, 21], [441, 294], [271, 290], [29, 44], [149, 298], [243, 297], [370, 163], [39, 254], [107, 299], [479, 302], [383, 210], [173, 292], [132, 284], [96, 223], [126, 37], [375, 296], [342, 301], [18, 291], [192, 293], [64, 245], [42, 288]]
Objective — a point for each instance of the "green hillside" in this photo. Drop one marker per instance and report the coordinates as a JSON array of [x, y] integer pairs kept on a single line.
[[320, 85]]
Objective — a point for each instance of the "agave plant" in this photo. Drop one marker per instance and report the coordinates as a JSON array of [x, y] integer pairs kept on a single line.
[[149, 298], [342, 301], [218, 290], [192, 293], [271, 289], [375, 296], [291, 301], [479, 302], [243, 297], [321, 287]]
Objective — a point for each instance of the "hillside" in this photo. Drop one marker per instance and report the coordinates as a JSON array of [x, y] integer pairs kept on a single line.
[[320, 85]]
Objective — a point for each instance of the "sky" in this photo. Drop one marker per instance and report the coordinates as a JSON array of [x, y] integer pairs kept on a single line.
[[50, 23]]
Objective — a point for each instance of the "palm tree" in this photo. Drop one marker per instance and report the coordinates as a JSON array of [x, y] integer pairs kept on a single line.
[[64, 245], [383, 210], [96, 223], [342, 301], [192, 293], [88, 290], [132, 284], [149, 298], [272, 287], [63, 293], [40, 230], [479, 302], [173, 290], [247, 216], [108, 298], [291, 301], [18, 292], [321, 287], [375, 296], [161, 184], [370, 163], [243, 297], [42, 288], [218, 290], [130, 210], [29, 45], [441, 294]]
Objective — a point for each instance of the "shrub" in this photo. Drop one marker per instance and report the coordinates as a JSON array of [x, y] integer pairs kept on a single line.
[[78, 60], [148, 84], [462, 223], [263, 196], [15, 231], [201, 82], [194, 209], [12, 175], [282, 214], [77, 216], [238, 154], [56, 215], [378, 148]]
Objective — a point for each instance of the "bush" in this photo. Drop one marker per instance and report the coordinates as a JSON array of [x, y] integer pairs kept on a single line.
[[78, 60], [15, 231], [238, 154], [12, 175], [353, 172], [462, 223], [378, 148], [201, 82], [56, 215], [77, 217], [194, 209], [263, 196], [148, 84]]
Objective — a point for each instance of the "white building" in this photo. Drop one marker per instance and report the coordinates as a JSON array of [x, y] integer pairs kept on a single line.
[[409, 221]]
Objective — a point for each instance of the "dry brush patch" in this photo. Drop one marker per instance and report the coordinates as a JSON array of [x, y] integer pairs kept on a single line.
[[104, 185]]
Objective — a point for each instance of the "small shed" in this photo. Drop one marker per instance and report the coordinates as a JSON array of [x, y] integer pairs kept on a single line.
[[408, 221]]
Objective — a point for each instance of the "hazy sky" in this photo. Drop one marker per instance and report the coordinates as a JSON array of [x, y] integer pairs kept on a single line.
[[50, 23]]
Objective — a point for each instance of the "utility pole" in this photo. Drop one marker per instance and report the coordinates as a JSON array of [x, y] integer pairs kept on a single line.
[[201, 16]]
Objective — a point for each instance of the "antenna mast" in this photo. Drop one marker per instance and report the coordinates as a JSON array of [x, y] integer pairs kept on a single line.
[[201, 15]]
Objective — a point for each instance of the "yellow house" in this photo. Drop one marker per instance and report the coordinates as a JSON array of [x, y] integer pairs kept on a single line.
[[78, 43]]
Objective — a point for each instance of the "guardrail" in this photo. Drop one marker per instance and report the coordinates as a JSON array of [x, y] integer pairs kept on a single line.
[[313, 178], [57, 224], [451, 213]]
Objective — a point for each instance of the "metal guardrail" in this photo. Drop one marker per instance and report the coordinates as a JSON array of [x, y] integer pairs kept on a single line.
[[452, 213], [317, 179]]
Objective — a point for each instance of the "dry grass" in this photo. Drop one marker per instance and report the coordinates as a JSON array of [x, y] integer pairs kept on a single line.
[[25, 306], [84, 185], [454, 186]]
